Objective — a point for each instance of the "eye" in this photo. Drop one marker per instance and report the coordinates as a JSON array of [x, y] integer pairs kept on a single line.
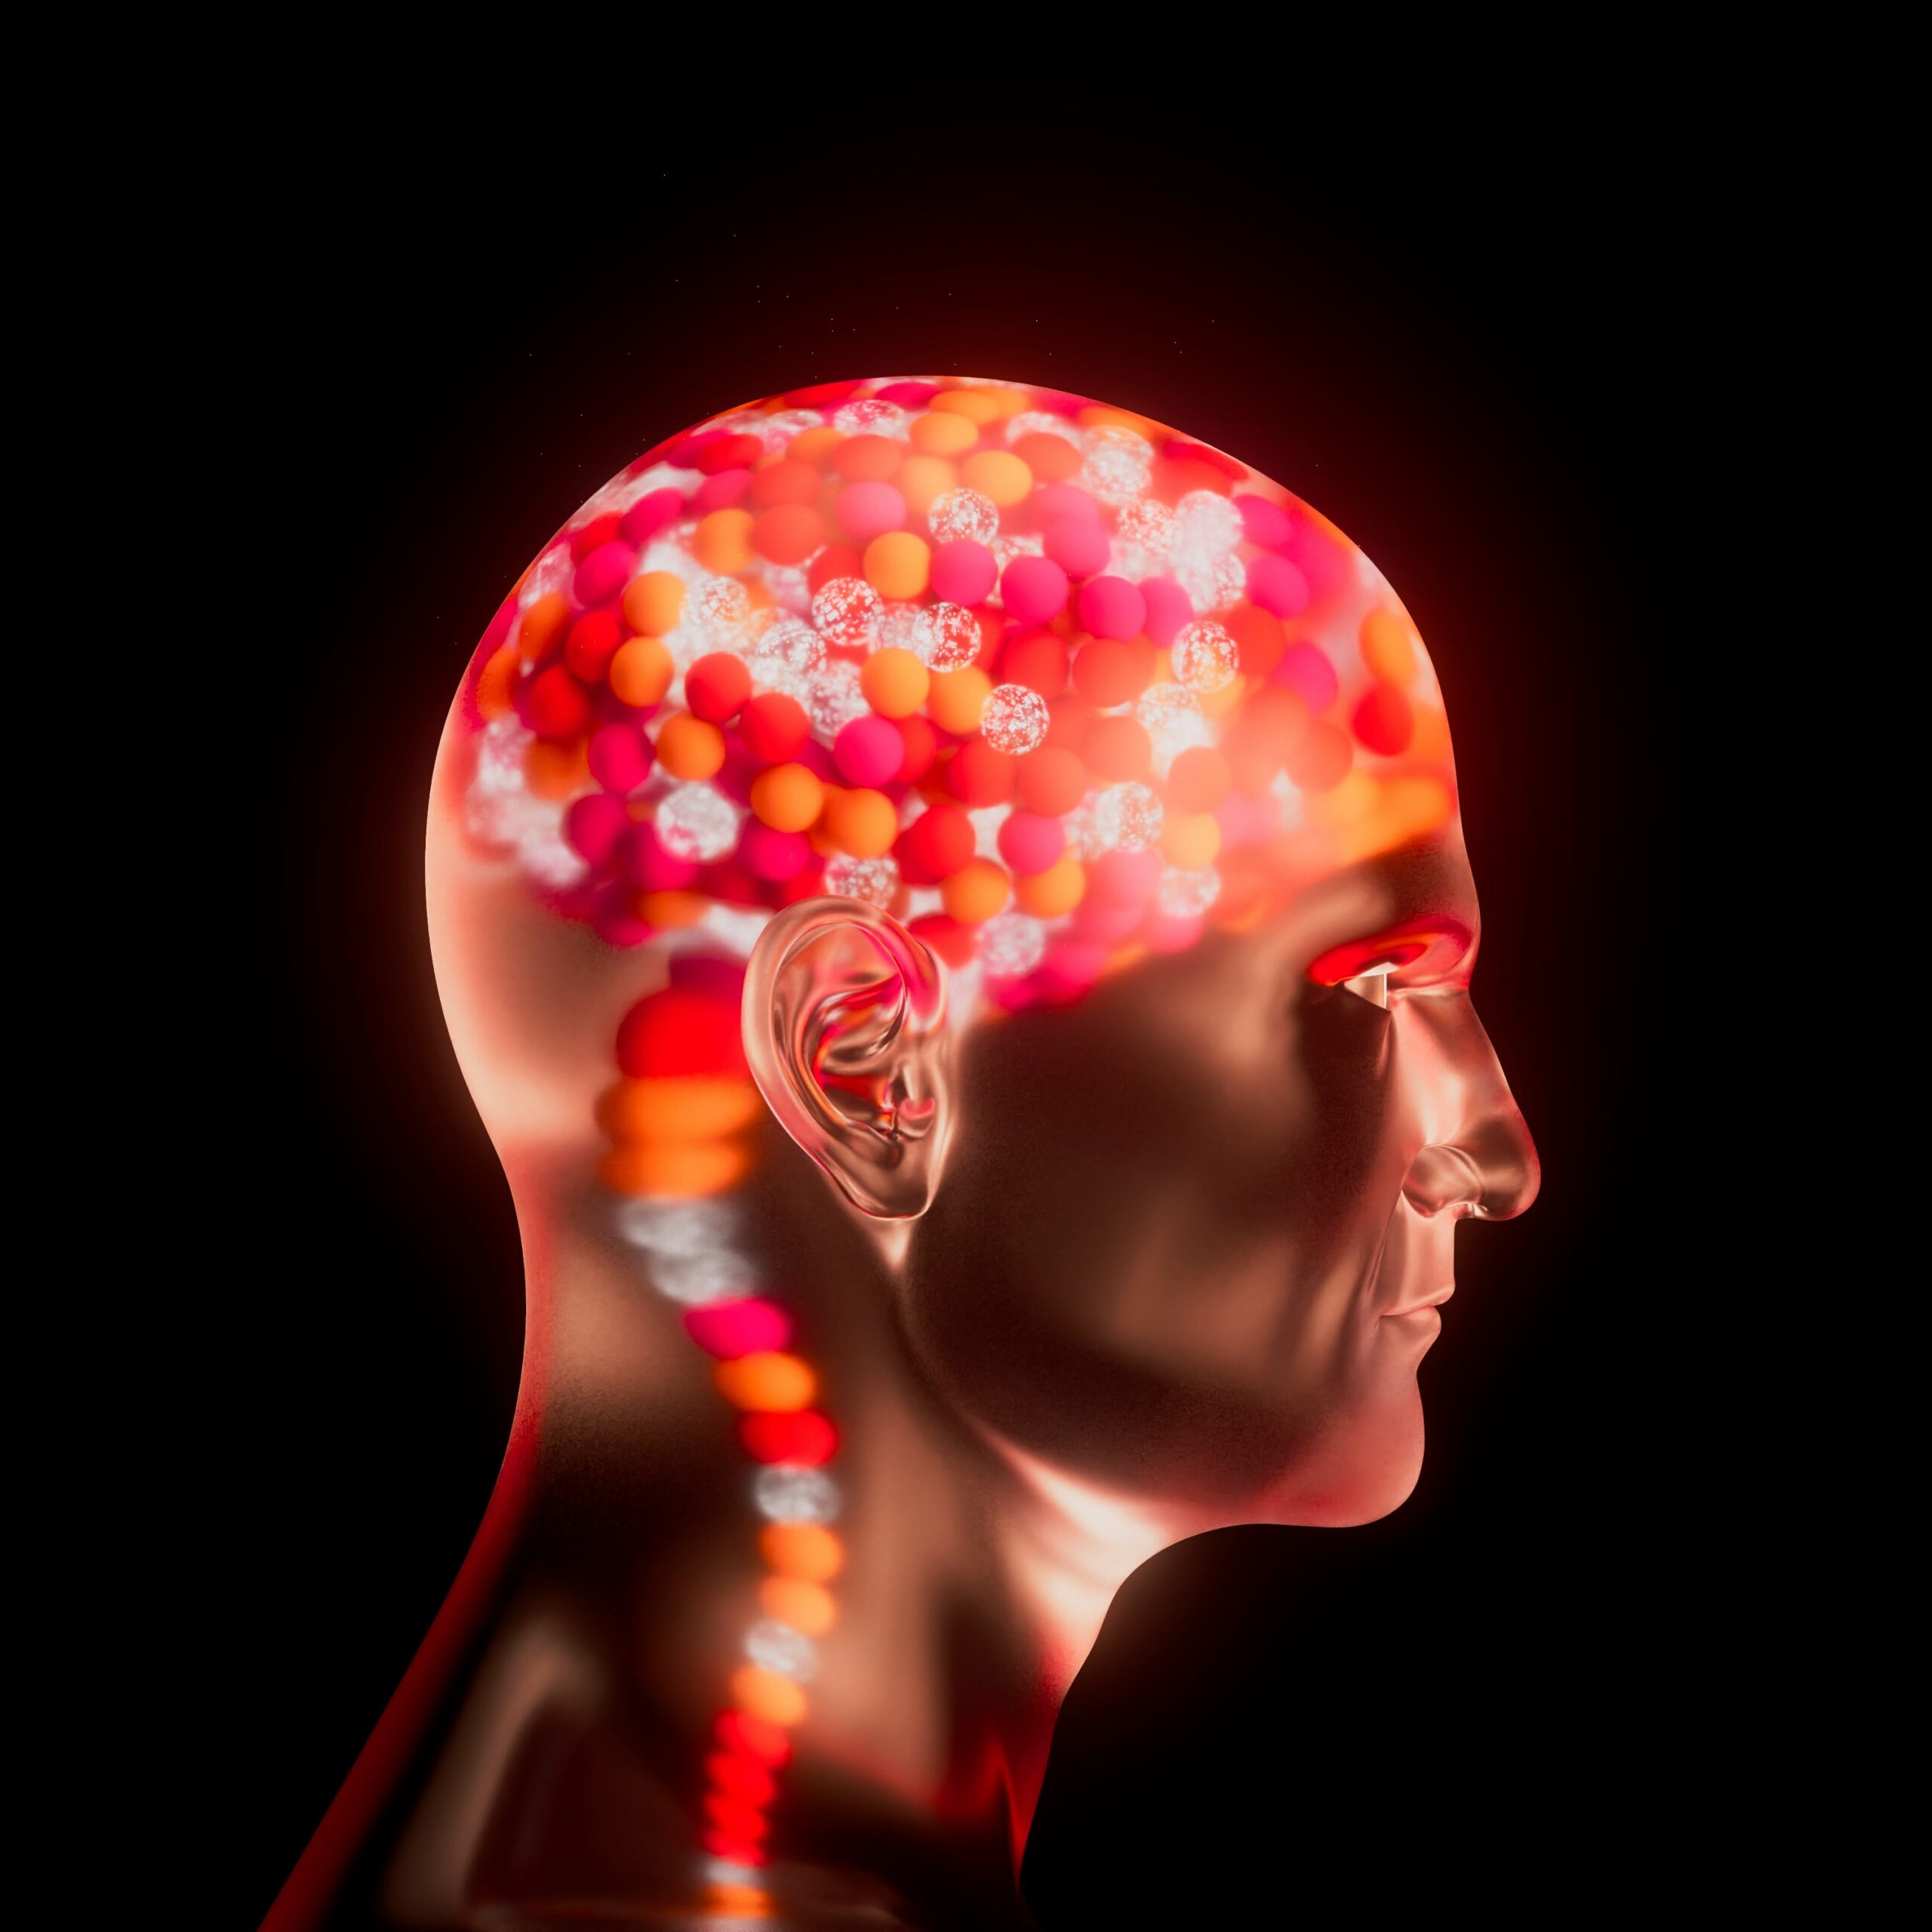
[[1371, 983], [1424, 952]]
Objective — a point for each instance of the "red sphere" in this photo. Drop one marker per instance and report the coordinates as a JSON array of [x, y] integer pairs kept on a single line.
[[717, 686]]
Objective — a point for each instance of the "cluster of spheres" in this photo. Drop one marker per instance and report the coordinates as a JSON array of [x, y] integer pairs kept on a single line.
[[1054, 684], [1050, 681]]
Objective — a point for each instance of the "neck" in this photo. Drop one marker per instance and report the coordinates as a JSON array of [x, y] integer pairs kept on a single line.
[[973, 1578]]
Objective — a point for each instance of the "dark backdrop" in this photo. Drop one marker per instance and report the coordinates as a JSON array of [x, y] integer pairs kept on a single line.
[[1480, 344]]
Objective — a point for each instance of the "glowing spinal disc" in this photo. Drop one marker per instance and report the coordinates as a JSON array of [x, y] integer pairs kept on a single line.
[[670, 1225], [697, 1279], [773, 1646], [788, 1493]]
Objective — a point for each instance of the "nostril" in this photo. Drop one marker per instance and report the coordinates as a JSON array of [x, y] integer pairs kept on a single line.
[[1506, 1158], [1442, 1180]]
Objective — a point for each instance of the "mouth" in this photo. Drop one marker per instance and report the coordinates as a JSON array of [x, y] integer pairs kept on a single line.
[[1425, 1305]]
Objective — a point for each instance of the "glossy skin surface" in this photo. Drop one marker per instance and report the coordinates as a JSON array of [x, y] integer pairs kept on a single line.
[[1018, 1212], [1190, 1247]]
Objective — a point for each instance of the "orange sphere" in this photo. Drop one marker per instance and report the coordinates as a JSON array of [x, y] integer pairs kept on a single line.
[[765, 1694], [806, 1607], [787, 798], [942, 432], [861, 822], [999, 475], [806, 1550], [641, 672], [542, 625], [1057, 890], [689, 748], [958, 698], [977, 891], [769, 1383], [895, 682], [654, 602], [896, 564], [722, 542]]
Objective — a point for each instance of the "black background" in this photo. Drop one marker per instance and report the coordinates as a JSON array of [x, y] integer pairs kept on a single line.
[[1486, 343]]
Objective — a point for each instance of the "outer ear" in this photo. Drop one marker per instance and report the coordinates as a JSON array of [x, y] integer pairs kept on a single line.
[[844, 1025]]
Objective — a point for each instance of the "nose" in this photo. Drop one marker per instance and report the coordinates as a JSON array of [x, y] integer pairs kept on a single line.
[[1488, 1168]]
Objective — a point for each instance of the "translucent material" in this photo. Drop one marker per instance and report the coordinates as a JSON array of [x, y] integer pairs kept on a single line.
[[1047, 825]]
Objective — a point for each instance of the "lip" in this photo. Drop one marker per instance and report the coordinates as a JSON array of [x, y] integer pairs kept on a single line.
[[1424, 1307]]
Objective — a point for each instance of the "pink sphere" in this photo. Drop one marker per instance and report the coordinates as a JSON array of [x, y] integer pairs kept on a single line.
[[649, 515], [620, 757], [1169, 608], [1112, 606], [766, 852], [1070, 968], [868, 751], [604, 573], [616, 923], [1266, 524], [1171, 932], [963, 572], [1124, 878], [1029, 841], [869, 509], [594, 824], [720, 492], [1304, 668], [1099, 923], [1277, 586], [730, 1329], [1244, 820], [1052, 501], [1033, 589], [647, 864], [1078, 546]]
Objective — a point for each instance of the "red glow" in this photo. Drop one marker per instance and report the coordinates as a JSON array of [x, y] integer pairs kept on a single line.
[[1398, 945], [735, 1817], [740, 1778], [739, 1851], [804, 1437], [752, 1738]]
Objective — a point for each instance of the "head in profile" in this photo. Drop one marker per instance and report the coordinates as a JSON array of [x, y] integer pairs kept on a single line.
[[949, 899]]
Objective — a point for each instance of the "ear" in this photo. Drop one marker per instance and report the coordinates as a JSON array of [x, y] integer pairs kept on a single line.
[[844, 1025]]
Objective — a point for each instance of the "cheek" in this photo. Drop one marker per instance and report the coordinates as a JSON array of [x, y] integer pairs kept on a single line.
[[1146, 1247]]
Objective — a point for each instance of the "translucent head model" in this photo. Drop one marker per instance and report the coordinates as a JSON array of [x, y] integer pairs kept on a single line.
[[1049, 825]]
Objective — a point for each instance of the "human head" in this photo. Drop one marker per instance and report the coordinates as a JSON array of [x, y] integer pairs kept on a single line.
[[1084, 804]]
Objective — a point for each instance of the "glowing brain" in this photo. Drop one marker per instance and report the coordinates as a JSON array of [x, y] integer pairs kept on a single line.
[[1053, 682]]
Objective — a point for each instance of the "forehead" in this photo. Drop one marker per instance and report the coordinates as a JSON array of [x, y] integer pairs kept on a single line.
[[1056, 683]]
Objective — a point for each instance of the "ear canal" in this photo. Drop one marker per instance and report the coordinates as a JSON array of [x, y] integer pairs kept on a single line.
[[844, 1028]]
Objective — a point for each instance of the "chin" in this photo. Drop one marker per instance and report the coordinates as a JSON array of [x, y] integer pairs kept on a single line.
[[1363, 1470]]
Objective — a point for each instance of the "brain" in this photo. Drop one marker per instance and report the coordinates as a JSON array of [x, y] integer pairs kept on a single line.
[[1055, 684]]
